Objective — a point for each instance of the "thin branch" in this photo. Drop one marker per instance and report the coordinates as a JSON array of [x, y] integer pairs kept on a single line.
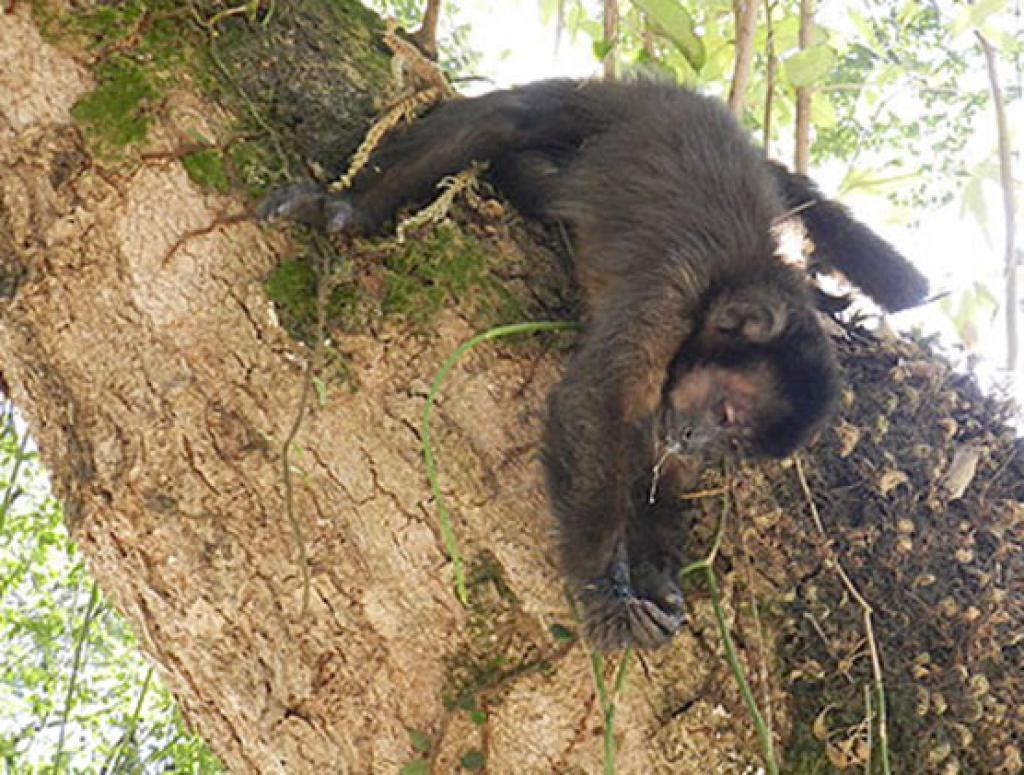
[[325, 285], [12, 484], [746, 25], [611, 31], [769, 78], [1009, 206], [118, 751], [648, 39], [426, 35], [806, 488], [802, 149], [76, 665], [762, 650]]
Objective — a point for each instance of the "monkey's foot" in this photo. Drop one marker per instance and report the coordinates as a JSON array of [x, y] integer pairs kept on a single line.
[[310, 204], [616, 613]]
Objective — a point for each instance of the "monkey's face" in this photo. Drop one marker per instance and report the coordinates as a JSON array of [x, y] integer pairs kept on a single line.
[[710, 409], [758, 377]]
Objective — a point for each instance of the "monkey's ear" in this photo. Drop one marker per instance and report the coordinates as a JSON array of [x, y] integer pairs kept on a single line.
[[755, 319]]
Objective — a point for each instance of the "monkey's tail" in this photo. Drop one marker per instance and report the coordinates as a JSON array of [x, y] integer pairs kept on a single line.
[[844, 243]]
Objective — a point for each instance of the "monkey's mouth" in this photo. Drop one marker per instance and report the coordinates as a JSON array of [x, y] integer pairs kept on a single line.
[[681, 435], [683, 452]]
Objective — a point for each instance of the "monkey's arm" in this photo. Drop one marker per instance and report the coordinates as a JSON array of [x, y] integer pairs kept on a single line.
[[410, 163], [843, 242], [599, 450]]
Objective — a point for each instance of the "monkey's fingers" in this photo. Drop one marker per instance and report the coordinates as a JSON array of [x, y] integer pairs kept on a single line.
[[659, 585], [614, 617], [310, 204], [605, 621], [649, 626]]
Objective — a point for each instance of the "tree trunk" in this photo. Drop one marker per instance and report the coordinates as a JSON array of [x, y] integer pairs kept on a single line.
[[137, 338], [143, 351]]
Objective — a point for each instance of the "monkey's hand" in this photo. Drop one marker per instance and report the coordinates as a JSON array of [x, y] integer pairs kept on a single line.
[[312, 205], [639, 606]]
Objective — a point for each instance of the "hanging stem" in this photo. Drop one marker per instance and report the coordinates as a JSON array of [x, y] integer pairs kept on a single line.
[[444, 519]]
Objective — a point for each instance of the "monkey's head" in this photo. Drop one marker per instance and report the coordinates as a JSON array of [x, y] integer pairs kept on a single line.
[[759, 374]]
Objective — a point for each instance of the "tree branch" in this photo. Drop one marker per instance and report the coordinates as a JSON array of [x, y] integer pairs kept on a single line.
[[611, 30], [802, 150], [746, 25], [1009, 206]]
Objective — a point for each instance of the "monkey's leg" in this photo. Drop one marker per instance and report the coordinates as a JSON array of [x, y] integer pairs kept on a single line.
[[598, 448], [408, 166], [843, 242]]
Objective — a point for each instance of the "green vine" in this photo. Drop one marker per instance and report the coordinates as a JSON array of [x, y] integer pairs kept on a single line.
[[443, 517]]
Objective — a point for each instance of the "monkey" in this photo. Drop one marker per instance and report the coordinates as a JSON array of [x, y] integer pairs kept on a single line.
[[698, 341]]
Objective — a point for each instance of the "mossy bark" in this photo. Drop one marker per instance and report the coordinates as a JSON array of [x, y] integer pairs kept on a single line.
[[137, 337]]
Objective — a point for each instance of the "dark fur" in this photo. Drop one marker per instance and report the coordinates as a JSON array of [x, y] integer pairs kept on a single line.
[[841, 242], [671, 209]]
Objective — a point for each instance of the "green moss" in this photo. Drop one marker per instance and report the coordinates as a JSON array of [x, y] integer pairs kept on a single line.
[[255, 167], [318, 119], [145, 44], [107, 23], [292, 286], [206, 169], [113, 115], [166, 44], [443, 269]]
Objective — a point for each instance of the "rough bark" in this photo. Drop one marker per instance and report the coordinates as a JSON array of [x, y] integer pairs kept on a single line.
[[145, 356], [138, 340]]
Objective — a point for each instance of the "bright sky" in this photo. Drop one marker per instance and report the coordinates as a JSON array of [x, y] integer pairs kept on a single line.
[[516, 46], [949, 247]]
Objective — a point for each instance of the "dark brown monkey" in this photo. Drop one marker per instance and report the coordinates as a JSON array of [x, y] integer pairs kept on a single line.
[[698, 339]]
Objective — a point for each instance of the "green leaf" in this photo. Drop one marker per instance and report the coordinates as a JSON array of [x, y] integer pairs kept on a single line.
[[974, 16], [418, 767], [786, 34], [478, 717], [321, 390], [823, 112], [908, 13], [674, 22], [601, 49], [865, 30], [974, 201], [473, 760], [719, 61], [420, 741], [875, 180], [809, 66], [468, 702], [986, 297]]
